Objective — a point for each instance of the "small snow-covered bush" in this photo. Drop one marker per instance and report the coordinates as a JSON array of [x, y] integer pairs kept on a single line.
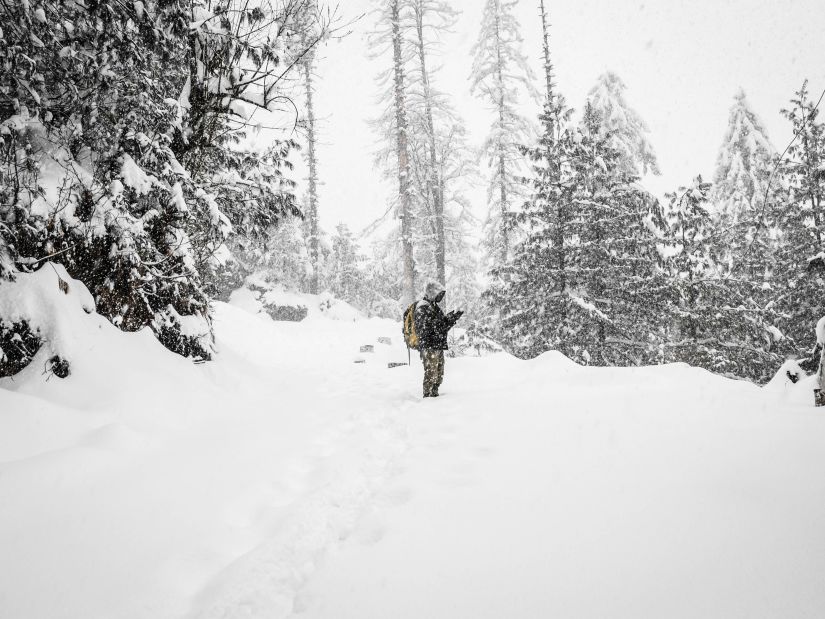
[[466, 342], [42, 315], [18, 346]]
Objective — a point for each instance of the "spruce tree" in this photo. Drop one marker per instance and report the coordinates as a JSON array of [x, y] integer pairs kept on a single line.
[[345, 276], [800, 219], [627, 130], [586, 279], [740, 185], [717, 324]]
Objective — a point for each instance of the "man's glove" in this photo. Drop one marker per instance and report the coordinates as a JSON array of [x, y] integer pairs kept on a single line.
[[455, 315]]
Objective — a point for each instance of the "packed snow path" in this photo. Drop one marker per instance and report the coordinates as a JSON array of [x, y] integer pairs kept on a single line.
[[284, 480]]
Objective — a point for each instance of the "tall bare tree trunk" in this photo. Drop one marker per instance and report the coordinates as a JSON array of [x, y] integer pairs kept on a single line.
[[405, 210], [312, 161], [434, 181]]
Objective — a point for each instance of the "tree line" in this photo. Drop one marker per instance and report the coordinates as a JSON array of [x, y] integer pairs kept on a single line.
[[126, 156], [581, 258]]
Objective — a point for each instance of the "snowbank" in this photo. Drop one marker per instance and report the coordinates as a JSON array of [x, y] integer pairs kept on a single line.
[[286, 478], [59, 310], [258, 295]]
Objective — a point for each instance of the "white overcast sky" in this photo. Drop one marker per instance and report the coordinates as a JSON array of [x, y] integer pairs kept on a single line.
[[682, 62]]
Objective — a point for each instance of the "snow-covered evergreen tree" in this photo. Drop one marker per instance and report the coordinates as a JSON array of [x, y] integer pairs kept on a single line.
[[307, 30], [586, 278], [624, 125], [392, 20], [345, 275], [740, 184], [800, 219], [717, 323], [440, 165], [501, 77]]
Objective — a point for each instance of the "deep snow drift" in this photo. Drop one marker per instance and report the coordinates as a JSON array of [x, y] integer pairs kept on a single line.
[[284, 479]]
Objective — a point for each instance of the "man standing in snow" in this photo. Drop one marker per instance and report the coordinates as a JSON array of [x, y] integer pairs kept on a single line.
[[431, 327]]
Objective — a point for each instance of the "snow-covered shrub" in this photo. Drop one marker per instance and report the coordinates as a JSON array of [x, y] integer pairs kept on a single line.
[[120, 151], [41, 316], [718, 323], [18, 346], [471, 342]]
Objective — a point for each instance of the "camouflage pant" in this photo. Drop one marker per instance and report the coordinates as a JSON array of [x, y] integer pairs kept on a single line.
[[433, 361]]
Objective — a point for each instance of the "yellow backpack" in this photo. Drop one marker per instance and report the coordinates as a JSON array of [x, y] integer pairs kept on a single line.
[[410, 337]]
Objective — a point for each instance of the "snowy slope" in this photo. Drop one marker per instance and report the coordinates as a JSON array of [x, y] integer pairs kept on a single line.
[[283, 479]]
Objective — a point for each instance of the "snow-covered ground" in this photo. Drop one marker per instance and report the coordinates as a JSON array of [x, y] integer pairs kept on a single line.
[[285, 480]]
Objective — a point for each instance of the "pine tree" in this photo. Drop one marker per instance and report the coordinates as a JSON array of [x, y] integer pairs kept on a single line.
[[393, 18], [438, 16], [307, 32], [501, 73], [440, 163], [627, 130], [345, 276], [585, 279], [801, 222], [717, 323], [739, 191]]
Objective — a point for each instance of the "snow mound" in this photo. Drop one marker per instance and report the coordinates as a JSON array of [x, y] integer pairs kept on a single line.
[[55, 307], [792, 385], [259, 296], [282, 479]]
